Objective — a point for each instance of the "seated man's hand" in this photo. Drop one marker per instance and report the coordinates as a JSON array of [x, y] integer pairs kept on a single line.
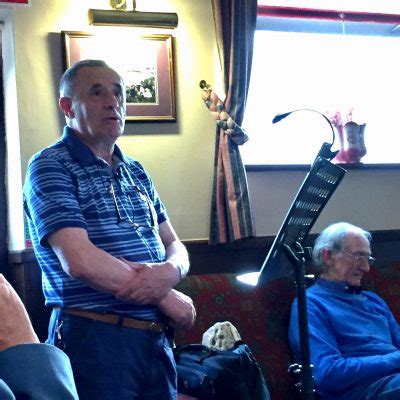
[[149, 286], [179, 308], [15, 326]]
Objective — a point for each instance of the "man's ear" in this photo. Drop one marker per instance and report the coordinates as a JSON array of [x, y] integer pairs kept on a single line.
[[65, 104], [327, 257]]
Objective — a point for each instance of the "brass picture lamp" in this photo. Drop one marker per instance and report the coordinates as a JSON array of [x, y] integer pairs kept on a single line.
[[121, 17]]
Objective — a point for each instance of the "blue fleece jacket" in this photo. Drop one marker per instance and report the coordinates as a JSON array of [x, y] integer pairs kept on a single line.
[[354, 338]]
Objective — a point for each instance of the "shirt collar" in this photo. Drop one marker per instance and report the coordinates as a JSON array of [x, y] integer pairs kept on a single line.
[[341, 287], [80, 151]]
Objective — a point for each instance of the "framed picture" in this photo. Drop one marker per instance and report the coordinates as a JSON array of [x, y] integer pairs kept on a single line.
[[27, 2], [145, 63]]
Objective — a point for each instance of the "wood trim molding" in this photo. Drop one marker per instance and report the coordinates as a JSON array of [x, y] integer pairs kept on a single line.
[[242, 255]]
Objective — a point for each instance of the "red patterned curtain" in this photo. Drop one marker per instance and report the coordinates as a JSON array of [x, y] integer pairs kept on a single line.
[[231, 217]]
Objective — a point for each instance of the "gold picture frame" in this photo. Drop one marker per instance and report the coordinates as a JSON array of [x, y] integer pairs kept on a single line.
[[146, 63]]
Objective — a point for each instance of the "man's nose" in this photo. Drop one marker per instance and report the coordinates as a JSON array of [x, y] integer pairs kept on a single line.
[[110, 100], [364, 265]]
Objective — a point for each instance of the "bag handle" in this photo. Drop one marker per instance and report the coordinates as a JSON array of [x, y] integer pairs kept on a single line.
[[195, 348]]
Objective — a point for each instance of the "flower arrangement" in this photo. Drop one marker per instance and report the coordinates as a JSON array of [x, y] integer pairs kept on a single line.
[[350, 135]]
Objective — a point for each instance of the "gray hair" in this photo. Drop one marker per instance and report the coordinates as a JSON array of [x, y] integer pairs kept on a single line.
[[331, 238], [68, 80]]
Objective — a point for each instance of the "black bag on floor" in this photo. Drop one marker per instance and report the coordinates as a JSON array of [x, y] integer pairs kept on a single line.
[[219, 374]]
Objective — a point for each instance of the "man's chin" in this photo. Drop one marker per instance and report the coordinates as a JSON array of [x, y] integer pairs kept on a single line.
[[355, 282], [116, 132]]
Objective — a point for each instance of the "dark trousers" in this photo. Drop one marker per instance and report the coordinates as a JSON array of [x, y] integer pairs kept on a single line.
[[113, 362]]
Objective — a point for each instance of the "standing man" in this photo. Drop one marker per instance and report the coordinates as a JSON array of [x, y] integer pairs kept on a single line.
[[354, 338], [108, 252]]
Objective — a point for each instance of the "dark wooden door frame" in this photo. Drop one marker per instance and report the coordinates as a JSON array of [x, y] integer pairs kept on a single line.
[[3, 190]]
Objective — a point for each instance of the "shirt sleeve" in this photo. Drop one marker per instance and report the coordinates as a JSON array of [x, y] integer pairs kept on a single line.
[[332, 371], [37, 371], [394, 328], [50, 198]]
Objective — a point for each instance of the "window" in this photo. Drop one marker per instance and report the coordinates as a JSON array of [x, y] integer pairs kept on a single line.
[[333, 63]]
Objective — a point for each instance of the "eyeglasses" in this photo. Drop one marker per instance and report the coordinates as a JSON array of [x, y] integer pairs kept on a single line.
[[358, 259], [126, 222]]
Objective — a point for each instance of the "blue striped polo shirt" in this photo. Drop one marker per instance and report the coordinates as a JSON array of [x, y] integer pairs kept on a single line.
[[68, 186]]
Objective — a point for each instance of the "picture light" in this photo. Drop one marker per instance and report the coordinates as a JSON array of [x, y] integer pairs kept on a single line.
[[120, 17]]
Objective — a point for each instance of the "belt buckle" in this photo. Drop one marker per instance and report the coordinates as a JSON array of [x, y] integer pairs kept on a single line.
[[153, 327]]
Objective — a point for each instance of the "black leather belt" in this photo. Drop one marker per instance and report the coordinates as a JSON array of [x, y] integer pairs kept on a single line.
[[116, 319]]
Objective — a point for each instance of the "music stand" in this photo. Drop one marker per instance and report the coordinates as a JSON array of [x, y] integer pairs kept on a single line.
[[315, 191]]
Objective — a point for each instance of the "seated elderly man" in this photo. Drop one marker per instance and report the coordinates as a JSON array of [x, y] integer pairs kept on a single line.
[[354, 338], [29, 369]]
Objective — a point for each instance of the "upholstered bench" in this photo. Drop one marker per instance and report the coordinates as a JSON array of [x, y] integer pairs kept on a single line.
[[261, 315]]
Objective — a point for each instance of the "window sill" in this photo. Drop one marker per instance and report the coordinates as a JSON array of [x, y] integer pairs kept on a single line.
[[306, 167]]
